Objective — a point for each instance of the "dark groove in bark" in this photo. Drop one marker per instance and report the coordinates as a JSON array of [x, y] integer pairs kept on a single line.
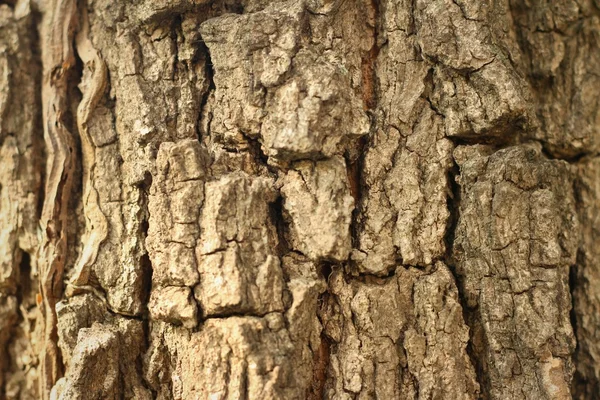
[[258, 154], [38, 142], [453, 203], [176, 33], [144, 261], [139, 366], [581, 387], [204, 53], [354, 170], [326, 268], [355, 165], [276, 214], [369, 61], [570, 159], [24, 285], [75, 230], [321, 359], [579, 383], [147, 272]]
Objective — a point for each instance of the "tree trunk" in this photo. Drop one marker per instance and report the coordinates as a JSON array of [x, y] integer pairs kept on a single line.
[[303, 199]]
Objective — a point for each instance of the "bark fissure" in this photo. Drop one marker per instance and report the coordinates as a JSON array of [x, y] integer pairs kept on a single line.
[[454, 203], [205, 115]]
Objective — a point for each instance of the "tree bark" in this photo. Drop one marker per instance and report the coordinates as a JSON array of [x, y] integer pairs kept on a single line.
[[300, 199]]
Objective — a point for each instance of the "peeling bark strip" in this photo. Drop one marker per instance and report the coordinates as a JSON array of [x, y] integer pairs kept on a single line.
[[96, 223], [292, 199], [58, 60]]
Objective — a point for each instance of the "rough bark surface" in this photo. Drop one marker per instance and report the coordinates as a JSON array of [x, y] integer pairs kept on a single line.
[[299, 199]]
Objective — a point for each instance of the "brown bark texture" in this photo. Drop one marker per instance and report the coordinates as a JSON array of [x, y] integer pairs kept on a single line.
[[299, 199]]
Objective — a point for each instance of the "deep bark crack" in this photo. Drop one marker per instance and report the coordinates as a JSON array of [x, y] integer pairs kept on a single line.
[[453, 204]]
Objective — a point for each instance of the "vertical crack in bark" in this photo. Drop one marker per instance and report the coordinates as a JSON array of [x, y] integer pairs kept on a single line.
[[579, 383], [205, 114], [369, 61], [144, 261], [24, 285], [58, 60], [355, 160], [276, 211], [176, 33], [581, 386], [321, 359], [453, 202], [145, 265]]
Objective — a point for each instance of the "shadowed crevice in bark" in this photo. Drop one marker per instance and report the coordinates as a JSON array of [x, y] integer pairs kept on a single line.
[[25, 283], [205, 114], [496, 142], [453, 203], [322, 357], [39, 148], [369, 60], [585, 382], [571, 159], [255, 148], [321, 360], [146, 266], [355, 159], [139, 365], [176, 32], [580, 384], [75, 230], [144, 261], [475, 336], [354, 171], [276, 214], [146, 286]]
